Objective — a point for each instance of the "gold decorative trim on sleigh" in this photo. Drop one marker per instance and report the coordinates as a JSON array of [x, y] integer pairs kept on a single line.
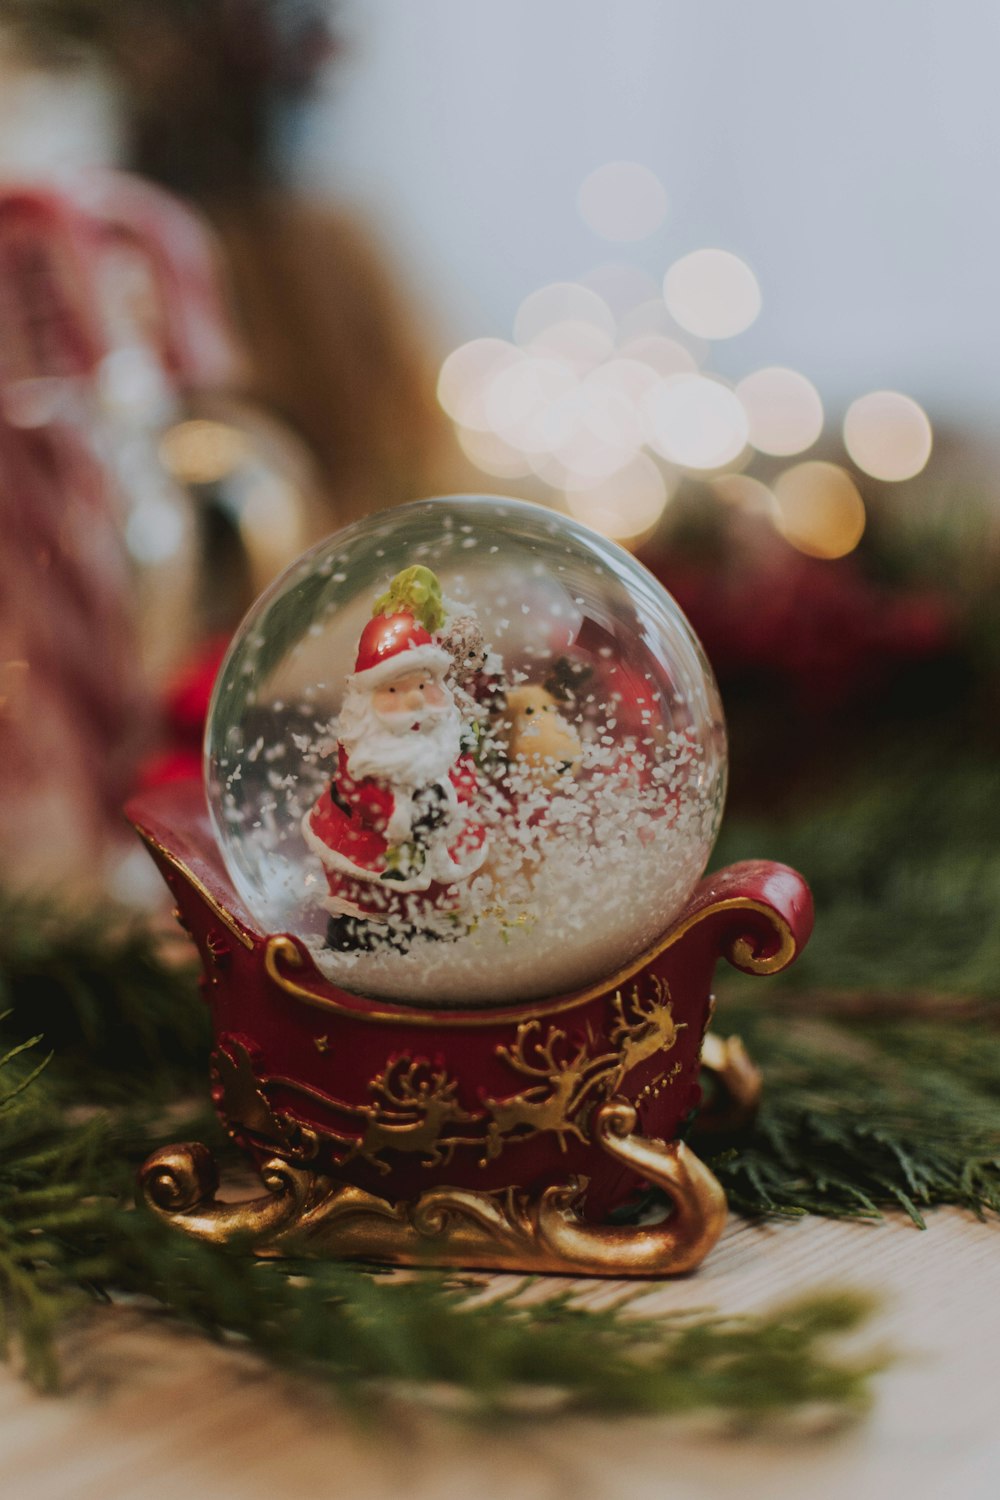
[[414, 1107], [306, 1213]]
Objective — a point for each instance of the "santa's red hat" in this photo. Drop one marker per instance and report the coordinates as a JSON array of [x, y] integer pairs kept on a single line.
[[392, 645]]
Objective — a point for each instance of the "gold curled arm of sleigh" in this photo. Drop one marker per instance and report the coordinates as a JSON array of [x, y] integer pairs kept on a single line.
[[735, 1085], [303, 1213], [750, 952]]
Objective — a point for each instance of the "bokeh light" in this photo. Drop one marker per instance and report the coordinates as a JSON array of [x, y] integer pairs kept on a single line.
[[465, 377], [888, 435], [617, 391], [492, 455], [660, 354], [583, 345], [203, 452], [784, 410], [625, 507], [695, 422], [595, 428], [712, 293], [819, 509], [522, 402], [622, 201], [745, 493], [651, 319], [622, 287], [561, 302]]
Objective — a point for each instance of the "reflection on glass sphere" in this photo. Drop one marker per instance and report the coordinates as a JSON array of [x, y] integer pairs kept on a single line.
[[469, 752]]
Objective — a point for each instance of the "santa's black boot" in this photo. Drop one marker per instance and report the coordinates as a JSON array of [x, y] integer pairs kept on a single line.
[[350, 935]]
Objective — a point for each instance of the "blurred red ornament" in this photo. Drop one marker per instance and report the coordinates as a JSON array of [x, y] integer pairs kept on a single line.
[[821, 630], [184, 712]]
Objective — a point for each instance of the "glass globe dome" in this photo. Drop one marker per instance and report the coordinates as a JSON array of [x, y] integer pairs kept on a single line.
[[469, 752]]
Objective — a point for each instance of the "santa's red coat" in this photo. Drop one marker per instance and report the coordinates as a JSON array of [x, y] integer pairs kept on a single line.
[[347, 828]]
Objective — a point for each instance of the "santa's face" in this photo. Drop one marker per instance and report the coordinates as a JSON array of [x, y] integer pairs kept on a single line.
[[406, 731], [410, 699]]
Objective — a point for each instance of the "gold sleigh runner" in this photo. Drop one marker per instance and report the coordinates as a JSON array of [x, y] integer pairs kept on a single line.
[[508, 1230]]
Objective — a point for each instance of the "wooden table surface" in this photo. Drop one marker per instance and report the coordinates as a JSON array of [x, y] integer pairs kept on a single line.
[[153, 1412]]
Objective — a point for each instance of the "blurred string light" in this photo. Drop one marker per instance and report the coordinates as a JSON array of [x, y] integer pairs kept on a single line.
[[622, 201], [622, 287], [562, 303], [712, 293], [784, 411], [695, 421], [492, 454], [819, 509], [627, 507], [661, 355], [651, 319], [746, 493], [603, 394], [203, 452], [465, 378], [527, 403], [888, 435]]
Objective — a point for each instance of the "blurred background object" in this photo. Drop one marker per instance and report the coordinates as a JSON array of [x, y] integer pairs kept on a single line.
[[721, 283], [718, 283], [201, 96]]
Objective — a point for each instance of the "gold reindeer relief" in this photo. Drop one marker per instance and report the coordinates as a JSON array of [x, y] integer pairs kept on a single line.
[[412, 1106], [247, 1109], [554, 1103], [647, 1028], [415, 1106], [244, 1103], [568, 1081]]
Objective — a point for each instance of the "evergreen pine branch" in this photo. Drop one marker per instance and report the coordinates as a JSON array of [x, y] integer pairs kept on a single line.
[[117, 1004], [905, 871], [64, 1228], [865, 1115]]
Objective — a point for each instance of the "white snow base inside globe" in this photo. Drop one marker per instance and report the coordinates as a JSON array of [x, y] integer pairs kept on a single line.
[[556, 901]]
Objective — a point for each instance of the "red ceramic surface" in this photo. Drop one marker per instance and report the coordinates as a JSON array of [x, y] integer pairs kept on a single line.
[[397, 1099]]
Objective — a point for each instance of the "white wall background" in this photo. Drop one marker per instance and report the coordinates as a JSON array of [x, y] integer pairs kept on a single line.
[[849, 150]]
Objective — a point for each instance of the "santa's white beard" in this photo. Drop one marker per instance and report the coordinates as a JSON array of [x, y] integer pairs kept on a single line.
[[408, 754]]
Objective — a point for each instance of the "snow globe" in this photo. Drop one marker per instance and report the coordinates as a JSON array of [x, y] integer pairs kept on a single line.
[[464, 767]]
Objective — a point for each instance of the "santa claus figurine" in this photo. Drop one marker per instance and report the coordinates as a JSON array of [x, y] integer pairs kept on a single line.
[[397, 831]]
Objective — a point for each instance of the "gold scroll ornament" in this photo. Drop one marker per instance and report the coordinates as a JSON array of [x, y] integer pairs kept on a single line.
[[306, 1213]]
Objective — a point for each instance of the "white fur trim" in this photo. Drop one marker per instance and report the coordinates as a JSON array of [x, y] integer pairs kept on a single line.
[[410, 659], [400, 824], [440, 866], [338, 907], [451, 869], [332, 860]]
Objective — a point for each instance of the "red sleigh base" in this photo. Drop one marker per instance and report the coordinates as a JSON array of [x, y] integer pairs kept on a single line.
[[500, 1138]]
